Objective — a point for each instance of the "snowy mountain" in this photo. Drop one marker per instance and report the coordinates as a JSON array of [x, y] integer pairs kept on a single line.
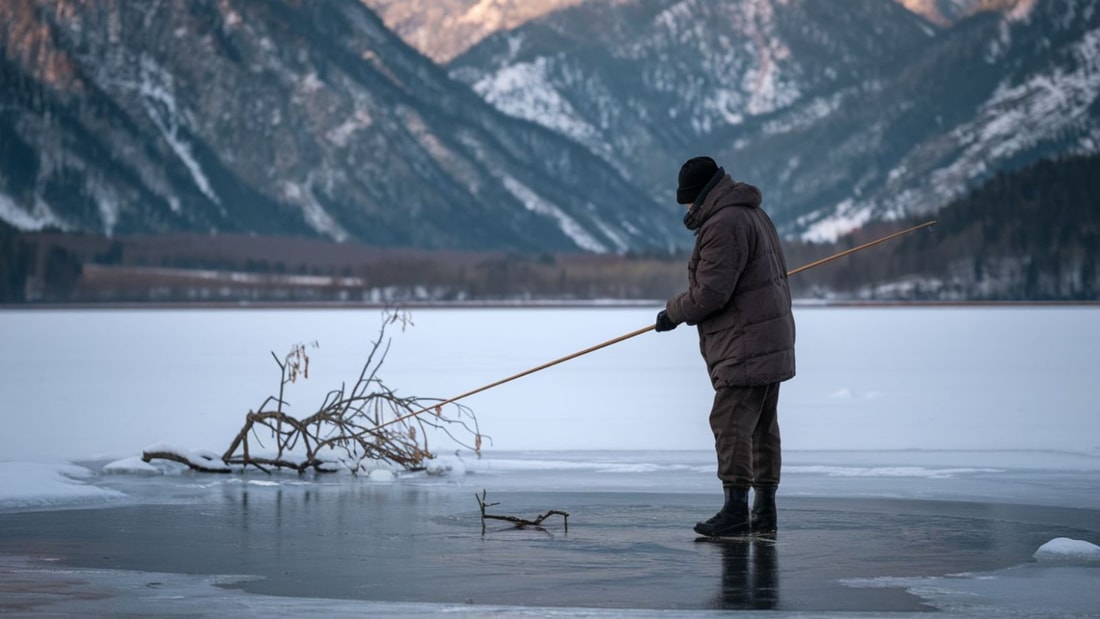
[[945, 12], [314, 119], [845, 111], [281, 117], [443, 29], [995, 93]]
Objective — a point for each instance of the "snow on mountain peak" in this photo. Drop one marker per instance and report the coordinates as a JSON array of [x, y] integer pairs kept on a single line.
[[1021, 11]]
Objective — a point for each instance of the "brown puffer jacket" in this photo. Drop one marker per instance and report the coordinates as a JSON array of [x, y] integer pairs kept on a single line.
[[737, 289]]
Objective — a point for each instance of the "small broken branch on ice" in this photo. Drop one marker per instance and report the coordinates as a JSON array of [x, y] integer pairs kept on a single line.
[[519, 522], [351, 427]]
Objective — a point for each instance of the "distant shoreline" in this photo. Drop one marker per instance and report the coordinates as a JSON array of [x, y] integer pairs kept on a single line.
[[550, 304]]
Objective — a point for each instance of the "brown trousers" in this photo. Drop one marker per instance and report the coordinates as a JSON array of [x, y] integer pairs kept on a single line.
[[745, 423]]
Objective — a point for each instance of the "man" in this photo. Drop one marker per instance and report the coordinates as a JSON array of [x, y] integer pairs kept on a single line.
[[739, 299]]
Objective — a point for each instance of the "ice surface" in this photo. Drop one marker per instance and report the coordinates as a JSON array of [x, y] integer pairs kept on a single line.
[[978, 411], [624, 505], [35, 485], [57, 591], [868, 379], [1025, 591]]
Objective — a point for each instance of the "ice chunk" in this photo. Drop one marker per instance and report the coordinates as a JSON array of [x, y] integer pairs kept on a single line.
[[132, 466], [1064, 549], [446, 465], [35, 485], [381, 475]]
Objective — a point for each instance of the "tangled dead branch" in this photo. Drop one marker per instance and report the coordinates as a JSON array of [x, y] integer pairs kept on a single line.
[[519, 522], [352, 426]]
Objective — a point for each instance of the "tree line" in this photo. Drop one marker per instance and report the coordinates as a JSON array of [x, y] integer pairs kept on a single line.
[[1030, 235]]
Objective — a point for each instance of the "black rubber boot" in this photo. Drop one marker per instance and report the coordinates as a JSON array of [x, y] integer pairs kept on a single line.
[[763, 517], [732, 520]]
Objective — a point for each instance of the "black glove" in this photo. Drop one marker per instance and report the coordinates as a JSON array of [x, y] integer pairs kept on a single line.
[[664, 323]]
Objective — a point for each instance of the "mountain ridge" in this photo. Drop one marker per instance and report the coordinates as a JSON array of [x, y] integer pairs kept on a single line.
[[315, 119], [852, 112], [282, 118], [1032, 235]]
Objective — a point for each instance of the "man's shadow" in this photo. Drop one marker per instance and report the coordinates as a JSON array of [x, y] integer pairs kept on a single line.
[[750, 575]]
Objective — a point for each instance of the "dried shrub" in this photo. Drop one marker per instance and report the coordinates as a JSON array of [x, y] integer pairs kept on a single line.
[[352, 428]]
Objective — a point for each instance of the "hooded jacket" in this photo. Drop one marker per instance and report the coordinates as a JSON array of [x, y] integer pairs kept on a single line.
[[737, 294]]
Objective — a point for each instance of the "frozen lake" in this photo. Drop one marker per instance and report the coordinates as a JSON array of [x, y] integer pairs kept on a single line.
[[935, 458], [105, 384]]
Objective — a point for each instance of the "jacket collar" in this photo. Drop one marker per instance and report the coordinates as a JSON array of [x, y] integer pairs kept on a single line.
[[694, 217], [720, 192]]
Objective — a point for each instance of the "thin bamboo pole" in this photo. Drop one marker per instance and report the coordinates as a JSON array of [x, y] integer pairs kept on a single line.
[[638, 332], [853, 250]]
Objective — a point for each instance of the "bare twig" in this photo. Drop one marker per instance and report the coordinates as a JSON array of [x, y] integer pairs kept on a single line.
[[519, 522]]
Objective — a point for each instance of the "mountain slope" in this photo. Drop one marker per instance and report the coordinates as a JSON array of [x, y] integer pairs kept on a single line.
[[1032, 234], [995, 93], [282, 118], [844, 112], [946, 12], [648, 83], [443, 29]]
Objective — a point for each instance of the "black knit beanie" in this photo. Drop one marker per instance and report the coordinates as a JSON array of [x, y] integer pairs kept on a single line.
[[694, 175]]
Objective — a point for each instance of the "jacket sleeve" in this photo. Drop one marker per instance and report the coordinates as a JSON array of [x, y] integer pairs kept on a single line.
[[722, 258]]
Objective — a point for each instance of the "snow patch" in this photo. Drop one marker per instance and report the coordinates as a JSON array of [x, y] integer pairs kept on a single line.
[[536, 204], [310, 83], [526, 91], [887, 471], [449, 466], [301, 195], [158, 97], [231, 19], [1022, 11], [846, 217], [134, 465], [341, 134], [36, 485], [108, 207], [1064, 549], [38, 219], [805, 115], [203, 457], [1019, 116], [382, 475]]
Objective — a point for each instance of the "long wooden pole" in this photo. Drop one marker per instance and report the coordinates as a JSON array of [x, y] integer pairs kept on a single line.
[[638, 332]]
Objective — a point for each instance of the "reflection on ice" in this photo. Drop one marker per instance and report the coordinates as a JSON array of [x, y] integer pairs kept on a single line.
[[750, 575]]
